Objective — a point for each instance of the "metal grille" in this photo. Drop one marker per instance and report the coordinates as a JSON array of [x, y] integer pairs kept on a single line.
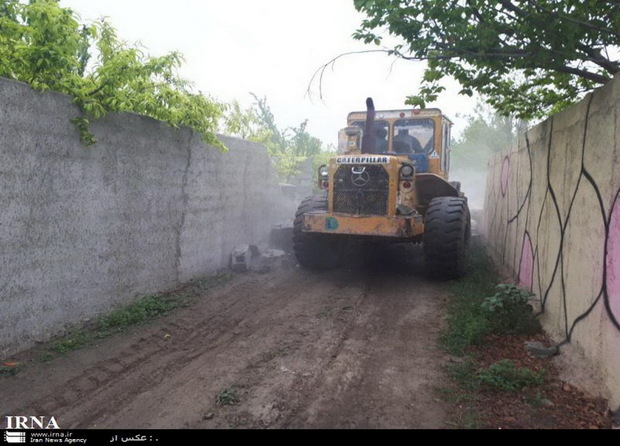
[[361, 189]]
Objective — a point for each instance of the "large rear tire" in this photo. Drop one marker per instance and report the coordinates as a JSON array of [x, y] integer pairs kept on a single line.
[[447, 230], [314, 251]]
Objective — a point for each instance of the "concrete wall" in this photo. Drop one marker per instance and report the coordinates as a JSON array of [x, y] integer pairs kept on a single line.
[[553, 217], [85, 228]]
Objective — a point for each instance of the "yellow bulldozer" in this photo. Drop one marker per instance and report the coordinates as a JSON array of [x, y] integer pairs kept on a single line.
[[388, 184]]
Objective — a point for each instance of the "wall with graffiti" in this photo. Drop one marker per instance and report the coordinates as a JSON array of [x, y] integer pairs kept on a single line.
[[553, 217]]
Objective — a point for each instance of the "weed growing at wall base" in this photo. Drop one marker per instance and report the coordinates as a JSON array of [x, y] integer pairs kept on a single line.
[[504, 375], [508, 311], [467, 320], [478, 308], [9, 370], [143, 310]]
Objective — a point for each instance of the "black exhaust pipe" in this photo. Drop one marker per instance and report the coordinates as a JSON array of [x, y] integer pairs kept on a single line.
[[369, 139]]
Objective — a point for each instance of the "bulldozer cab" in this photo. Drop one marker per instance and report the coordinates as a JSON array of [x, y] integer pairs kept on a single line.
[[423, 136]]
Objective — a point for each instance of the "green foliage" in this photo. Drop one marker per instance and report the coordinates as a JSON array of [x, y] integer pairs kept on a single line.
[[467, 321], [287, 148], [44, 45], [507, 377], [506, 297], [6, 371], [141, 311], [227, 397], [528, 58], [471, 317], [145, 309], [86, 135], [508, 311], [75, 341], [243, 123], [464, 374], [480, 307]]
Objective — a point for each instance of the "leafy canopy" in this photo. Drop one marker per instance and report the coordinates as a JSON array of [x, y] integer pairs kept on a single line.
[[529, 58], [287, 148], [47, 47]]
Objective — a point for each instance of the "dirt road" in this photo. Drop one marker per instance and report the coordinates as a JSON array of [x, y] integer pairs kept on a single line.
[[288, 349]]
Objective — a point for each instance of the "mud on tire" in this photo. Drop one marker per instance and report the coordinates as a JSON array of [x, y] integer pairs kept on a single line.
[[447, 232], [313, 251]]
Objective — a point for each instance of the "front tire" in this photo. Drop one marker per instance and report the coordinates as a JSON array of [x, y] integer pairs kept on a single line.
[[447, 230], [313, 251]]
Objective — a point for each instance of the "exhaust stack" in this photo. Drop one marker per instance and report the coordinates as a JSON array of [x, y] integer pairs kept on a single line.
[[369, 139]]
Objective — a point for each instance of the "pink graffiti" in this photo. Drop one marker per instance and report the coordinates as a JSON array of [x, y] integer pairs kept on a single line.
[[526, 267], [612, 261], [505, 175]]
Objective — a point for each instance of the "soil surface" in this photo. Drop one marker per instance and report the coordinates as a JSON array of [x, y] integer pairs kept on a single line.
[[353, 348], [287, 349], [554, 405]]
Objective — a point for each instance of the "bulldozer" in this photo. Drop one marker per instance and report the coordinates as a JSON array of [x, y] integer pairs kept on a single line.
[[387, 184]]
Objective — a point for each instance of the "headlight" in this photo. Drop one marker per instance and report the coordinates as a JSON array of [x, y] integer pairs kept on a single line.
[[406, 171], [323, 177]]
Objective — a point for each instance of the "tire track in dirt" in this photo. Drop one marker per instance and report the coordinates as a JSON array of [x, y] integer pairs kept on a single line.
[[123, 374], [300, 349]]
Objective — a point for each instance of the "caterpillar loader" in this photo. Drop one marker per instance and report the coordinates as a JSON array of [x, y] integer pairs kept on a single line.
[[388, 184]]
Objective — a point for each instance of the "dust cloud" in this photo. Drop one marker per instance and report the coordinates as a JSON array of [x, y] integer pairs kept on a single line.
[[473, 184]]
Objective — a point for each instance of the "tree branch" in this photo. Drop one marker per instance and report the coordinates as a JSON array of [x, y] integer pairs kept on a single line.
[[598, 78], [596, 57], [321, 70], [536, 5], [475, 12], [97, 90], [509, 5]]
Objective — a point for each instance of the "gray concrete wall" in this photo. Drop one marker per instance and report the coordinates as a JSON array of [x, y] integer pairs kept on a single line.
[[83, 229], [553, 217]]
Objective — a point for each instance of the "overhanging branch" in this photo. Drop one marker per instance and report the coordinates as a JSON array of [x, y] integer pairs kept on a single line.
[[536, 5]]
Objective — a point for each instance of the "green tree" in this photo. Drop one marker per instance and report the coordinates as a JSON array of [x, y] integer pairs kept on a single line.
[[240, 122], [303, 143], [45, 46], [287, 147], [528, 58]]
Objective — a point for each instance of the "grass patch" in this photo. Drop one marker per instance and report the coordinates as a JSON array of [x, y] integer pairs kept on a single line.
[[147, 308], [143, 310], [508, 311], [507, 377], [9, 370], [75, 341], [324, 313], [227, 397], [480, 307], [464, 374], [467, 320]]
